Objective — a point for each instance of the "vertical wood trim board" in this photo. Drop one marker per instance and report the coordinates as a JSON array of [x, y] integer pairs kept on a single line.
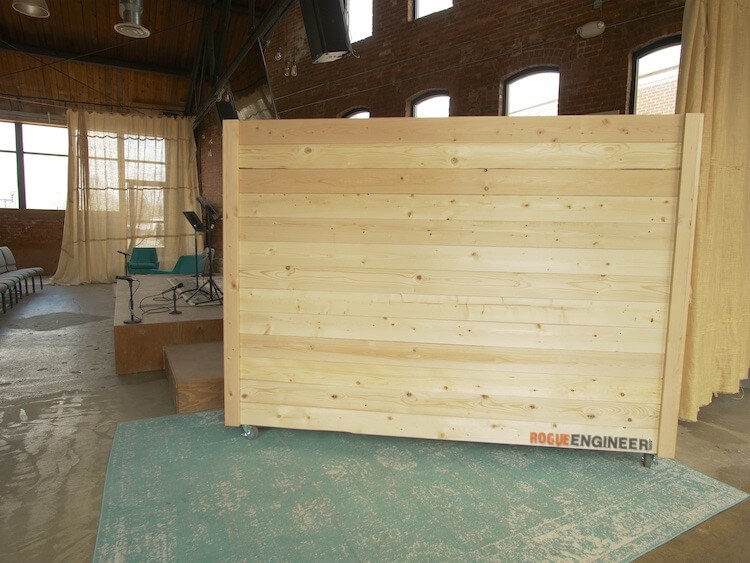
[[230, 172], [504, 280]]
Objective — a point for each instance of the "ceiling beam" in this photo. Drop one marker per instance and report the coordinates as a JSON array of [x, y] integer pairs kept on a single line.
[[94, 59], [266, 24]]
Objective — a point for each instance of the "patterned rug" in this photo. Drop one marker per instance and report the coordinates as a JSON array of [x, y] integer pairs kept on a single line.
[[185, 488]]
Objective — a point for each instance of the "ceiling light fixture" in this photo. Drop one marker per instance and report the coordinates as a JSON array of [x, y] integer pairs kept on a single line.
[[591, 29], [33, 8], [130, 12]]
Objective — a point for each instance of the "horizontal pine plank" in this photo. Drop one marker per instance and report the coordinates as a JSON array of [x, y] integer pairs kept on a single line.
[[460, 258], [535, 234], [445, 381], [467, 333], [533, 286], [455, 307], [572, 411], [480, 358], [576, 156], [487, 129], [654, 183], [491, 430], [580, 209]]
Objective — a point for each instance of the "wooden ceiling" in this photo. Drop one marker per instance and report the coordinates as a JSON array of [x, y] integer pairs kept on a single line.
[[75, 59]]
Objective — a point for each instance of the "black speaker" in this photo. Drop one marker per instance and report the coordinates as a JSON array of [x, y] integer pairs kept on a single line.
[[327, 31], [226, 110]]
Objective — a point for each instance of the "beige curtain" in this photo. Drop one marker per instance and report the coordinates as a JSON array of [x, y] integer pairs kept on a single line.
[[129, 180], [715, 80]]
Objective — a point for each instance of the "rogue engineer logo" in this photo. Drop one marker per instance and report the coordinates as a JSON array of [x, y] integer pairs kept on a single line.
[[590, 441]]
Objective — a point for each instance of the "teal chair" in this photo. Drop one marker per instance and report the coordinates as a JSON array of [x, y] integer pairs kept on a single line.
[[185, 265], [143, 261]]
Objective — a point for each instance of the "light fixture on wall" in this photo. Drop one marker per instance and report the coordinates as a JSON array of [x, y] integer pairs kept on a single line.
[[591, 29], [287, 68], [277, 56], [33, 8], [130, 12], [293, 71]]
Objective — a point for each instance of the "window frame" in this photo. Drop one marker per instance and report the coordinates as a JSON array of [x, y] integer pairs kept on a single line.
[[524, 74], [348, 113], [20, 152], [424, 96], [662, 43]]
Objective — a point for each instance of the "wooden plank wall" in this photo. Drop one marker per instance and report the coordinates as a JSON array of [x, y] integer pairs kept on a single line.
[[490, 279]]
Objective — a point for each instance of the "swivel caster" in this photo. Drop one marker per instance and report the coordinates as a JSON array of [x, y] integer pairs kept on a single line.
[[250, 432], [647, 460]]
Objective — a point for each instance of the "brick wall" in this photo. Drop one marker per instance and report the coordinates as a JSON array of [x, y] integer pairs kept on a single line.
[[469, 50], [658, 98], [33, 235]]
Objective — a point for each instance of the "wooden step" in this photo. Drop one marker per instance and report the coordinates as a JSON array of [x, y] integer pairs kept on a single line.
[[196, 375]]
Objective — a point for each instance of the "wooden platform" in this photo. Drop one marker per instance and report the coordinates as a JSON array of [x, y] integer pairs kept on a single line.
[[139, 347], [196, 376]]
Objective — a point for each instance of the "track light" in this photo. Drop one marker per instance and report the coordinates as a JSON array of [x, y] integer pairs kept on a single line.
[[33, 8]]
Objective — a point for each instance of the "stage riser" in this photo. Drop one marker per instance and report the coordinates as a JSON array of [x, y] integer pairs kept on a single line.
[[195, 374], [139, 348]]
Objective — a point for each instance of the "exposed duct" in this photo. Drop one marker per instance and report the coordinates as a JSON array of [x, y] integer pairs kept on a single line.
[[130, 12]]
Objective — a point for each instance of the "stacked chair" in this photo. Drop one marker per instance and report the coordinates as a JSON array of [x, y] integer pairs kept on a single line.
[[13, 280]]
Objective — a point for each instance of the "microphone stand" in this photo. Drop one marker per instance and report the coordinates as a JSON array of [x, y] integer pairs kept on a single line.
[[174, 310], [125, 256], [133, 319]]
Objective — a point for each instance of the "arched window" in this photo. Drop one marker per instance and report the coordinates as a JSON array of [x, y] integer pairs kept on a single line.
[[357, 113], [424, 8], [359, 19], [654, 83], [431, 104], [533, 92]]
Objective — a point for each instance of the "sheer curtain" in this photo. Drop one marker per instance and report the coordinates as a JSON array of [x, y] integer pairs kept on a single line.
[[129, 180], [715, 80]]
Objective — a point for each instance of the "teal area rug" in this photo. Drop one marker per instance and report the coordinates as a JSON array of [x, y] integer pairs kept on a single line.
[[185, 488]]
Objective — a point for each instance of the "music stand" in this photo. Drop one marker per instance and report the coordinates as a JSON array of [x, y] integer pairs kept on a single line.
[[198, 227], [210, 218]]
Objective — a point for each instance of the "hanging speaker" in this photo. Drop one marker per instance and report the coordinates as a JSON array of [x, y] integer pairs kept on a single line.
[[327, 32]]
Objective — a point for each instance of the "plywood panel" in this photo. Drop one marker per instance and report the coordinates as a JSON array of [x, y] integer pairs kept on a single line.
[[480, 358], [434, 380], [535, 234], [534, 286], [461, 182], [562, 129], [492, 279], [464, 258], [455, 307], [572, 156], [579, 209], [472, 429]]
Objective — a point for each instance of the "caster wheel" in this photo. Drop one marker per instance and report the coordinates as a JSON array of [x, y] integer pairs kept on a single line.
[[250, 432], [647, 460]]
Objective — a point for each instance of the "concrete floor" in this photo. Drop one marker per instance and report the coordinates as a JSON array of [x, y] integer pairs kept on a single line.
[[60, 401]]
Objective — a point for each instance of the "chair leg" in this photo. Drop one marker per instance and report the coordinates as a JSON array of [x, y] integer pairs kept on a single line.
[[41, 284], [33, 283], [2, 297], [26, 283]]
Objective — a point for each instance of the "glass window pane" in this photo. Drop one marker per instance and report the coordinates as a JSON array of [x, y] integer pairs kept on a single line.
[[7, 136], [359, 13], [45, 139], [46, 181], [8, 181], [426, 7], [534, 94], [436, 106], [656, 86], [364, 114]]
